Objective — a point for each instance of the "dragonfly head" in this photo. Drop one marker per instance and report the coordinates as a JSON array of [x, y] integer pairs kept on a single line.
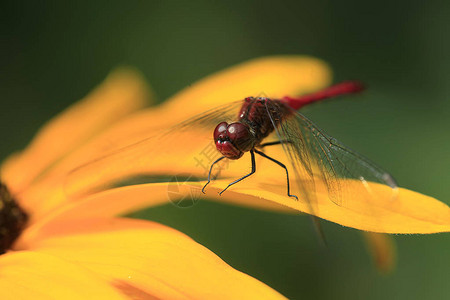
[[233, 140]]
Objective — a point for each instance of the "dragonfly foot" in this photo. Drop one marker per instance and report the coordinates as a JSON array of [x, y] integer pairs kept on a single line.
[[293, 196], [203, 189]]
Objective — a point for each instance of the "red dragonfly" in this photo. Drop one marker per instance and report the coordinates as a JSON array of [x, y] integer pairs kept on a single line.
[[304, 142], [315, 158]]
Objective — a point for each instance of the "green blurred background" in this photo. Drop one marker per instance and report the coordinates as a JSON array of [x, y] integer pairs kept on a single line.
[[53, 53]]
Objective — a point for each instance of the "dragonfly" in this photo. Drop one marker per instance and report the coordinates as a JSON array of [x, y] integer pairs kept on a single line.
[[313, 160], [304, 142]]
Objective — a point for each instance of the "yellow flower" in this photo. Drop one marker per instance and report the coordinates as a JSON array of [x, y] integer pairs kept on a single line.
[[57, 249], [60, 181]]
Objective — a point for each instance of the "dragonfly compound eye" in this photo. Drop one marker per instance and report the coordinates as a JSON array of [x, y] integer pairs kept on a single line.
[[239, 134], [220, 132]]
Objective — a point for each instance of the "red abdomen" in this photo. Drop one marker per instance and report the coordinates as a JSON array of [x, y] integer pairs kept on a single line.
[[346, 87]]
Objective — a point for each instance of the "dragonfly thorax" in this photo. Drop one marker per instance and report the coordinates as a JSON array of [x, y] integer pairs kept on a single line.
[[233, 140]]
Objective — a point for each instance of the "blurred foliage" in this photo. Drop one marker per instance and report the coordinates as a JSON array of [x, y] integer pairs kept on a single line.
[[53, 53]]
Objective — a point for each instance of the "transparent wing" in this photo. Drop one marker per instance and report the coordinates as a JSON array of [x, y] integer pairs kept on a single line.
[[186, 148], [320, 161]]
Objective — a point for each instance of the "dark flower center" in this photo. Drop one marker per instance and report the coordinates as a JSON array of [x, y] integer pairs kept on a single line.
[[12, 219]]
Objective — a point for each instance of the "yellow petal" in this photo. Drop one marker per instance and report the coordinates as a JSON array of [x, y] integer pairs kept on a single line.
[[410, 212], [124, 200], [272, 76], [382, 248], [33, 275], [120, 94], [145, 257], [110, 203]]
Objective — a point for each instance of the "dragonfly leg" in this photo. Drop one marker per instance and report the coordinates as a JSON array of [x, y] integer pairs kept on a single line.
[[281, 165], [209, 174], [274, 143], [253, 171]]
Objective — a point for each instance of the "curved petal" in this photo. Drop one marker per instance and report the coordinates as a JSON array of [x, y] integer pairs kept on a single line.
[[410, 212], [124, 200], [146, 258], [121, 93], [273, 76], [33, 275]]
